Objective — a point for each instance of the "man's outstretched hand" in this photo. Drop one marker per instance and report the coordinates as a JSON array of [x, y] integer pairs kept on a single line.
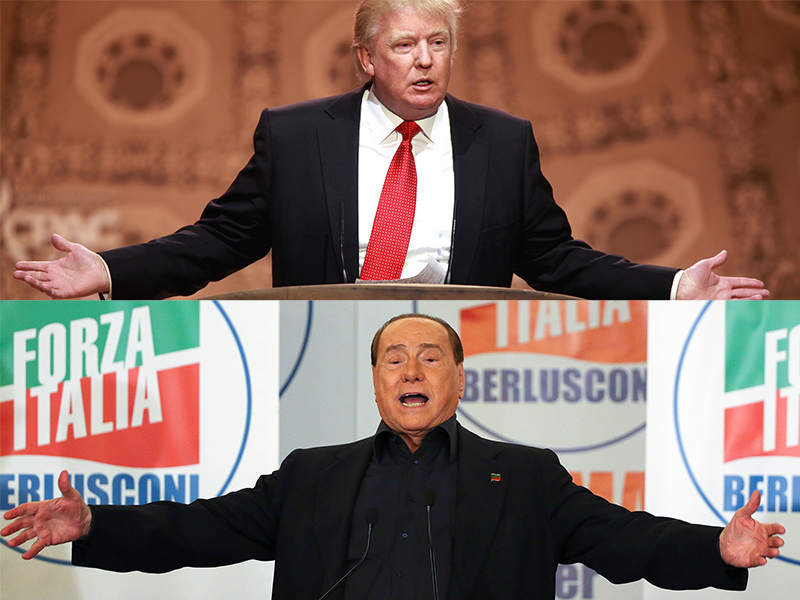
[[699, 282], [78, 274], [747, 543], [50, 522]]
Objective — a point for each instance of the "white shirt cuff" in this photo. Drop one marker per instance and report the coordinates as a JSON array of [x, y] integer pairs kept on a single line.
[[673, 293], [107, 295]]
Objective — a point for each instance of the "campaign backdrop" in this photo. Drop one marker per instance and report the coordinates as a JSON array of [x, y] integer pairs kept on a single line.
[[723, 420], [572, 376], [139, 401]]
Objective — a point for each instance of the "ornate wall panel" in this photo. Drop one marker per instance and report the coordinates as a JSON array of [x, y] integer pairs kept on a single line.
[[598, 45], [787, 11], [483, 47], [643, 210], [327, 56], [141, 77], [255, 29], [142, 66]]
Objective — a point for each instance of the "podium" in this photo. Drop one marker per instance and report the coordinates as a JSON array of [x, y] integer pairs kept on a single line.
[[388, 291]]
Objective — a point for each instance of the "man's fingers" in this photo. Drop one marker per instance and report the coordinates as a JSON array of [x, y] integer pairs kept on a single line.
[[35, 278], [40, 281], [752, 505], [33, 281], [713, 262], [23, 510], [720, 259], [745, 282], [24, 536], [37, 547], [775, 529], [748, 294], [59, 243], [32, 266], [64, 486], [17, 525], [14, 513], [775, 543]]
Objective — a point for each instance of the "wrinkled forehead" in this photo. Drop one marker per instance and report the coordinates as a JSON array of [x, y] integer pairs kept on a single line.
[[412, 349], [407, 20], [413, 334]]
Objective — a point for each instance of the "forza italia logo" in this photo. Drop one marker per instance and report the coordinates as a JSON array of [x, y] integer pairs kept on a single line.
[[95, 387], [139, 401], [734, 410], [762, 383]]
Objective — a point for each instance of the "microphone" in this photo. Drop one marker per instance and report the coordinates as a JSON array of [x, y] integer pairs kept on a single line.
[[372, 518], [452, 243], [429, 498], [341, 243]]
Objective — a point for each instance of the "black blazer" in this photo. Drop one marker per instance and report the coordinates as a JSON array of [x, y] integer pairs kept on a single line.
[[301, 185], [509, 535]]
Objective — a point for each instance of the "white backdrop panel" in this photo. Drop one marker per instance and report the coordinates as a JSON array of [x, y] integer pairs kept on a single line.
[[203, 422]]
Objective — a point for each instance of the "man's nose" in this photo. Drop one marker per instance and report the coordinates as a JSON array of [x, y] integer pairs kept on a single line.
[[424, 56], [413, 371]]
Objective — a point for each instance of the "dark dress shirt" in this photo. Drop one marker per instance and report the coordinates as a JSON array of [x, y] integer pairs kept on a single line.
[[398, 483]]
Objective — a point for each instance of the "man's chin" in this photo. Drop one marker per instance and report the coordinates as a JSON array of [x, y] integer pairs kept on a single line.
[[414, 421], [421, 106]]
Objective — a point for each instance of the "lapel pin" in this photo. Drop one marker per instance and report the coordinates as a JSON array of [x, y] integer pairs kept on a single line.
[[495, 477]]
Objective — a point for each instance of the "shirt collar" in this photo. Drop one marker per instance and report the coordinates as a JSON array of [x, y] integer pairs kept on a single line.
[[384, 435], [382, 122]]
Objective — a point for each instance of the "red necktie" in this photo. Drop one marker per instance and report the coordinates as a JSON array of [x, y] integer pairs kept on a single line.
[[388, 242]]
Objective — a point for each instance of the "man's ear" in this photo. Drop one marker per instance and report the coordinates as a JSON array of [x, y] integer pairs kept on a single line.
[[366, 61]]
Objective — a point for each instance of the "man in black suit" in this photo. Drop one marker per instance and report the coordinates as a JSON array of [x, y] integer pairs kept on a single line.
[[484, 211], [436, 510]]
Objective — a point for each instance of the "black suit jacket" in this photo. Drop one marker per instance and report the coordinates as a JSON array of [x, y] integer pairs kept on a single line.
[[510, 535], [301, 185]]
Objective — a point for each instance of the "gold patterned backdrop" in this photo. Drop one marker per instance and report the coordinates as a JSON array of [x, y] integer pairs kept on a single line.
[[669, 129]]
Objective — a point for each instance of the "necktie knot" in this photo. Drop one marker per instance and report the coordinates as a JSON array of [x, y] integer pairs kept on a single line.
[[408, 129]]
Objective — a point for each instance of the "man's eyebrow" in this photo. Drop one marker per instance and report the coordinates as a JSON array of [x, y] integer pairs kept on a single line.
[[394, 347], [429, 345], [445, 32], [405, 35], [423, 345]]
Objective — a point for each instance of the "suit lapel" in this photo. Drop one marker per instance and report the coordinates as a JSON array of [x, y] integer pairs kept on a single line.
[[470, 164], [482, 483], [338, 149], [337, 489]]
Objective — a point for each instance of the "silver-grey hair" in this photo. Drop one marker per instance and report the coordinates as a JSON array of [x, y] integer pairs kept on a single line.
[[370, 15]]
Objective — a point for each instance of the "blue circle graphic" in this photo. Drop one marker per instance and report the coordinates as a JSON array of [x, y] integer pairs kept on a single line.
[[678, 437], [249, 397], [246, 368], [302, 352]]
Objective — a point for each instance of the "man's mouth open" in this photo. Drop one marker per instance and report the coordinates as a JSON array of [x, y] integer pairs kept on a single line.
[[413, 400], [423, 84]]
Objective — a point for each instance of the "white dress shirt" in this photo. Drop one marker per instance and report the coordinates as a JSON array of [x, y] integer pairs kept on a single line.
[[433, 155]]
